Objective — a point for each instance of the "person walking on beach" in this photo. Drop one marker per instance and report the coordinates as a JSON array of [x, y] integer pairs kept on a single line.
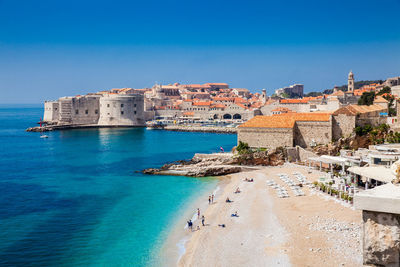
[[198, 213], [209, 200], [190, 225], [203, 220], [212, 198]]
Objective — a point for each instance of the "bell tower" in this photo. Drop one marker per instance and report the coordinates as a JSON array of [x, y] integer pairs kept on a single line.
[[350, 82], [264, 96]]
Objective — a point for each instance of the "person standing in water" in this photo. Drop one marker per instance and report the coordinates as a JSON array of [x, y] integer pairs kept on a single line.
[[212, 198], [209, 200]]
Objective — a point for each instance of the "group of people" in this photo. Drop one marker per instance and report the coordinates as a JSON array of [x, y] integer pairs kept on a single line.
[[211, 199], [249, 180], [203, 220]]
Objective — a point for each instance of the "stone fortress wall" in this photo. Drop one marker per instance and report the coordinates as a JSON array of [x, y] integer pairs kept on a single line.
[[121, 110], [343, 126], [266, 137], [85, 110], [307, 133], [51, 109], [96, 109]]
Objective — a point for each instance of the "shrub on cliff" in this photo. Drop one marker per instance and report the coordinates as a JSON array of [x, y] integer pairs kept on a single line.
[[360, 131], [243, 148]]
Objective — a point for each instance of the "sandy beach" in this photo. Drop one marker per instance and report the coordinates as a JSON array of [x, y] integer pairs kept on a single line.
[[310, 230]]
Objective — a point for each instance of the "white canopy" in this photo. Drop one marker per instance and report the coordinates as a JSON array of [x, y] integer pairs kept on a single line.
[[329, 159], [378, 173]]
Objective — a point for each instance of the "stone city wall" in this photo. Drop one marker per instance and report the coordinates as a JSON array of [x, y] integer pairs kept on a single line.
[[51, 109], [85, 110], [122, 110], [342, 126], [307, 131], [266, 137], [371, 120]]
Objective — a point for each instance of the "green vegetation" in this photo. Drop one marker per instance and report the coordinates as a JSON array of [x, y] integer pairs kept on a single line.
[[367, 98], [359, 84], [385, 90], [379, 134], [285, 95], [327, 91], [313, 94], [360, 131], [243, 148], [393, 137]]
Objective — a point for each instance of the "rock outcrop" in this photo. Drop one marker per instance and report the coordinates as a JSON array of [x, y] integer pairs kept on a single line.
[[200, 165], [381, 244], [221, 163], [263, 158]]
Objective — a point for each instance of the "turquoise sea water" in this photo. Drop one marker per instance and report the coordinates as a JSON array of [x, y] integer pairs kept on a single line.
[[74, 198]]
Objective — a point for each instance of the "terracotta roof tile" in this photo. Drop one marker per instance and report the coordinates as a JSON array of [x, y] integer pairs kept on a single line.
[[380, 99], [202, 103], [286, 120], [293, 101], [358, 109]]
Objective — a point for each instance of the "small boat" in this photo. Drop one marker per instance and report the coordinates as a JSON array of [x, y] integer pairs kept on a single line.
[[43, 136]]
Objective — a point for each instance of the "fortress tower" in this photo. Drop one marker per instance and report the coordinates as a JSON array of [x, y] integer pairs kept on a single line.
[[350, 82]]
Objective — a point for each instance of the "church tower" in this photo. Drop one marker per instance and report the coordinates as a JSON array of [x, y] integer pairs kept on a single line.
[[350, 82], [264, 96]]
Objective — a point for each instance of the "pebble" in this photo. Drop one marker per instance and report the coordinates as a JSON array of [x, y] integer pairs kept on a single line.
[[344, 237]]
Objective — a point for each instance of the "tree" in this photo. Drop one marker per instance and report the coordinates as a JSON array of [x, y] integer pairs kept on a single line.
[[385, 90], [313, 94], [285, 95], [367, 98]]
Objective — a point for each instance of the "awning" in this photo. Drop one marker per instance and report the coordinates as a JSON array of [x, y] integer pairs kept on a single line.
[[381, 174], [329, 159]]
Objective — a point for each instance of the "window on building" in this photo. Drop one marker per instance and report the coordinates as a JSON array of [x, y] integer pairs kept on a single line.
[[96, 111], [122, 113], [122, 105], [108, 105], [76, 111], [86, 111], [134, 105], [134, 112]]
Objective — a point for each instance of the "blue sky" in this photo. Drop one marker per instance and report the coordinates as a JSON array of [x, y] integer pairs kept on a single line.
[[52, 48]]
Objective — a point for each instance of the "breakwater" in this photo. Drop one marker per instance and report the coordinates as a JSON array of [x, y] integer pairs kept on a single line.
[[213, 129]]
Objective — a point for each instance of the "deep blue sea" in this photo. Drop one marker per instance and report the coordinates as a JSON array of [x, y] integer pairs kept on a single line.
[[74, 199]]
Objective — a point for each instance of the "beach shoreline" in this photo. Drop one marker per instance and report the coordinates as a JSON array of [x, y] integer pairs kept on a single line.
[[269, 230]]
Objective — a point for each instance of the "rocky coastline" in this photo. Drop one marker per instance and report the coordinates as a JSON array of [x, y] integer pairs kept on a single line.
[[218, 164], [201, 165]]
